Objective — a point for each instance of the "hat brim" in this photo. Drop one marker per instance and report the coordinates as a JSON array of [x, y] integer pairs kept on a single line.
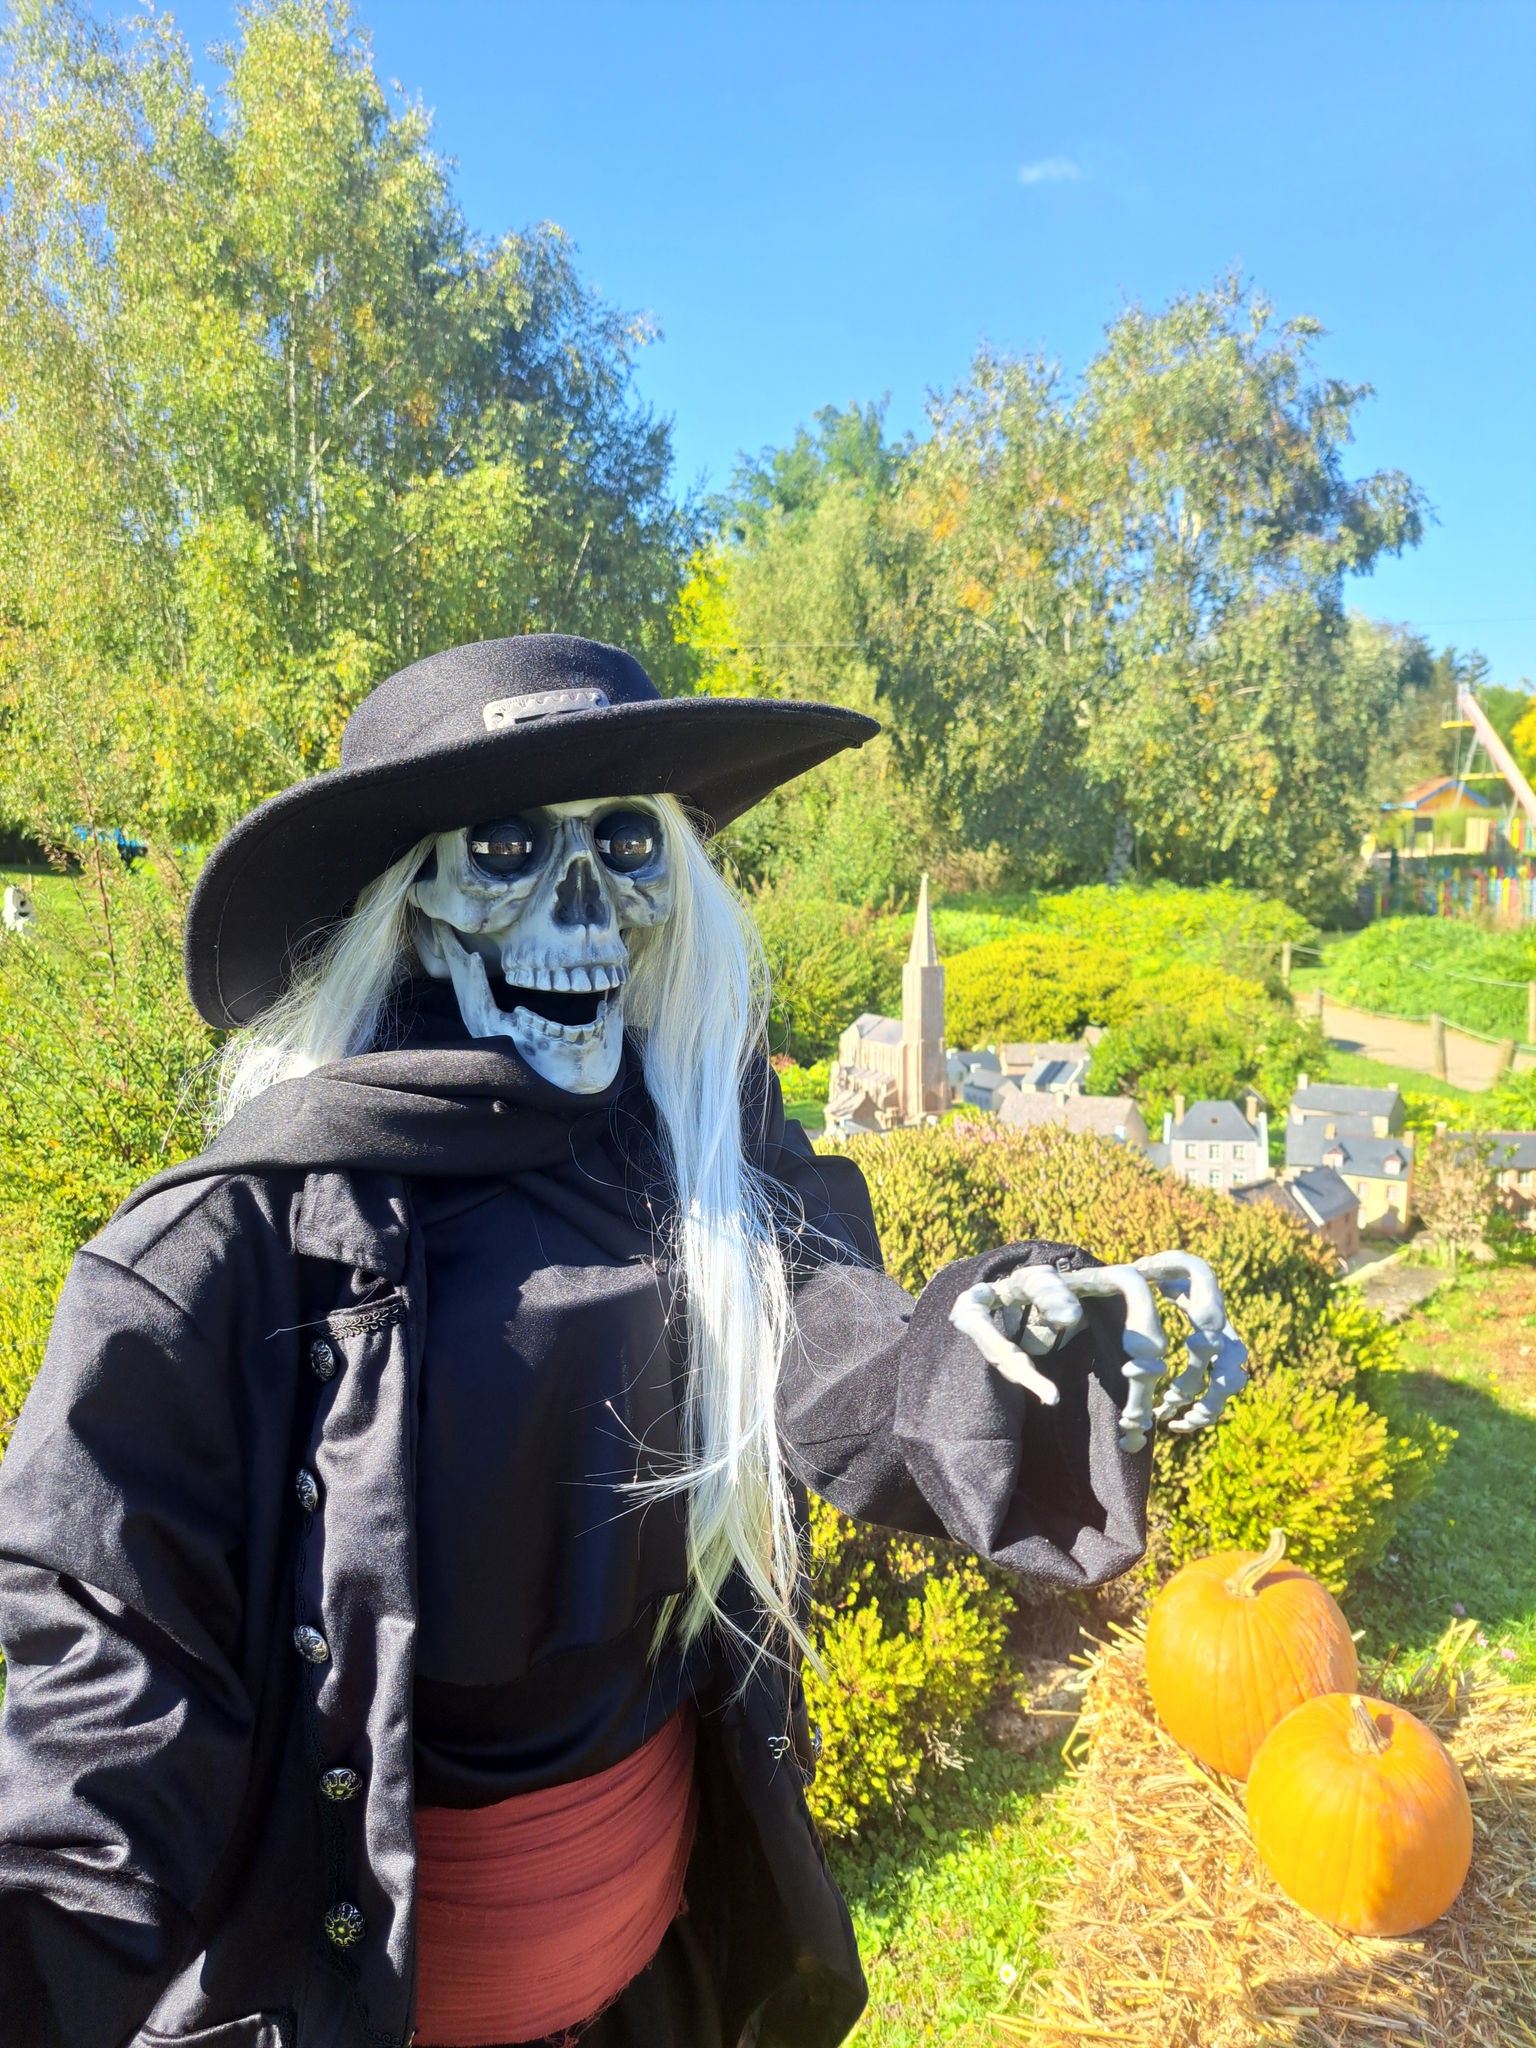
[[286, 872]]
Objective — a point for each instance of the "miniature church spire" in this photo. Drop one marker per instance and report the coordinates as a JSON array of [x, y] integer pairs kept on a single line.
[[925, 951], [923, 1089]]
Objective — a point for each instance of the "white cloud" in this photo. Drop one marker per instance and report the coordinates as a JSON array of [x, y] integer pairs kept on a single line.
[[1051, 170]]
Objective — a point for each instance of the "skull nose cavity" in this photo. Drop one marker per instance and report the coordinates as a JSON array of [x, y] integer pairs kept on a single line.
[[579, 898]]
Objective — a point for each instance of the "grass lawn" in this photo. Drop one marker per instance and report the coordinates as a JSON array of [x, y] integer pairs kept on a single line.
[[1470, 1544], [948, 1903]]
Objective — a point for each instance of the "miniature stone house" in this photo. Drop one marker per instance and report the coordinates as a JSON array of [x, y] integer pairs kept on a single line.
[[1358, 1133], [1215, 1144]]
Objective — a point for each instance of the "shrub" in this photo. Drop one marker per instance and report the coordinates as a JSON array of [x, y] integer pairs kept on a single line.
[[1320, 1462], [911, 1637], [1412, 966], [1030, 987], [829, 964], [1204, 1034], [100, 1054], [1157, 925]]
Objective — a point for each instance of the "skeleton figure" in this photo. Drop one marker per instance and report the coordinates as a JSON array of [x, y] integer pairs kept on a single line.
[[530, 917]]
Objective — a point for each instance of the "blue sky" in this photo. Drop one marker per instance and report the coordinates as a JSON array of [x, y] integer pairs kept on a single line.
[[828, 202]]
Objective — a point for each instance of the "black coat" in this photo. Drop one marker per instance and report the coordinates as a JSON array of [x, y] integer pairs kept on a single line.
[[169, 1854]]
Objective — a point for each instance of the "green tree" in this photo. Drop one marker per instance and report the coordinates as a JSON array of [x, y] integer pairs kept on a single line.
[[273, 422], [1099, 619], [1233, 720]]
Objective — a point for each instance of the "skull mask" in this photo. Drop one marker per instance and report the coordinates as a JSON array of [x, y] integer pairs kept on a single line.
[[529, 917]]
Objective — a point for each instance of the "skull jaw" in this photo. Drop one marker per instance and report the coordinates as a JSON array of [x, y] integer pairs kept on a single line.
[[582, 1059]]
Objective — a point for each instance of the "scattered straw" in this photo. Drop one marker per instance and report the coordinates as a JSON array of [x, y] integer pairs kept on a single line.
[[1170, 1934]]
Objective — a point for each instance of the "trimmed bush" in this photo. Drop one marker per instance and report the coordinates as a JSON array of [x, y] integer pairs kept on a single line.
[[911, 1638], [1204, 1034], [1412, 966], [1157, 924], [1031, 987], [830, 963]]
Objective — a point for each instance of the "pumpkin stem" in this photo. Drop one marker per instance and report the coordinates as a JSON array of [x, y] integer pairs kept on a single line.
[[1366, 1738], [1245, 1581]]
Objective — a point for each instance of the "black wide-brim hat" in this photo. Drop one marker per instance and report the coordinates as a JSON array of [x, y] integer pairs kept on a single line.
[[475, 733]]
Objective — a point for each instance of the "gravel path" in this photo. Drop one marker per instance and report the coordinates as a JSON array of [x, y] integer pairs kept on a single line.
[[1397, 1042]]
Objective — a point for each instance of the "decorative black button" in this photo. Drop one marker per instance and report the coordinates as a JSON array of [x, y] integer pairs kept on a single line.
[[345, 1925], [311, 1644], [340, 1785], [307, 1487], [498, 1107], [322, 1358]]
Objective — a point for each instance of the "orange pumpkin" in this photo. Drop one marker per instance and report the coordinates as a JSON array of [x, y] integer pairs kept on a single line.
[[1360, 1815], [1234, 1642]]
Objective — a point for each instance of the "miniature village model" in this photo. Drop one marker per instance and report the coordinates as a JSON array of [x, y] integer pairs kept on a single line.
[[890, 1071]]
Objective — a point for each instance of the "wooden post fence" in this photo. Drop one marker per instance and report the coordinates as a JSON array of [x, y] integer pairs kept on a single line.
[[1437, 1045]]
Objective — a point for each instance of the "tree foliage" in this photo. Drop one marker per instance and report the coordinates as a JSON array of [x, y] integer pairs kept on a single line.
[[273, 422], [1094, 616]]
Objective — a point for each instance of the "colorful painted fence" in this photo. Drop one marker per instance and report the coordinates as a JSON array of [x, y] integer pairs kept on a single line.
[[1504, 894]]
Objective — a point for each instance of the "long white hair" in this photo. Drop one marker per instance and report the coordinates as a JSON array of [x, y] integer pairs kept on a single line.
[[697, 999]]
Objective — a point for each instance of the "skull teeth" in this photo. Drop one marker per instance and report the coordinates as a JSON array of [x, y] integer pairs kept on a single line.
[[598, 979]]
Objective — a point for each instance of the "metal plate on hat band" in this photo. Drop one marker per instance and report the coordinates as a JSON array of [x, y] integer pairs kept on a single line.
[[504, 711]]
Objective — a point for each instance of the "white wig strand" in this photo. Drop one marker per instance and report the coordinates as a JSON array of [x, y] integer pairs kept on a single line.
[[335, 1005], [698, 995], [698, 999]]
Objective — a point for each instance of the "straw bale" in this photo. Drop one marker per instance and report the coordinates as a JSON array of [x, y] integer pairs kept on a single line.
[[1170, 1934]]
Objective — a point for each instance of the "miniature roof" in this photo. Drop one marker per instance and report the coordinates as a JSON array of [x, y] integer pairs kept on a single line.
[[1105, 1116], [1321, 1191], [1056, 1075], [1507, 1148], [879, 1030], [1017, 1054], [1316, 1197], [1221, 1122], [1307, 1144], [1318, 1099]]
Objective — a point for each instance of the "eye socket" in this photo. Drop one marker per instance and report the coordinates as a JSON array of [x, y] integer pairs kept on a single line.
[[503, 847], [627, 841]]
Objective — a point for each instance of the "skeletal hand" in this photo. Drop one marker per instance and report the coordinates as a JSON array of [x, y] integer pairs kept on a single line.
[[1034, 1309]]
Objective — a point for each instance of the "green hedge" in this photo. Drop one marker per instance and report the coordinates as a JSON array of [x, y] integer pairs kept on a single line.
[[830, 963], [1413, 966]]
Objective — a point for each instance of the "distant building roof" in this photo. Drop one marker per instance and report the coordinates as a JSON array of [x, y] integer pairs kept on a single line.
[[1104, 1116], [1507, 1148], [1308, 1144], [1317, 1197], [1324, 1193], [1318, 1099], [1017, 1056], [879, 1030], [1439, 785], [1220, 1122], [1053, 1076]]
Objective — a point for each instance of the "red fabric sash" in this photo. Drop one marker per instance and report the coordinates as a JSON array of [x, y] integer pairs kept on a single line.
[[534, 1913]]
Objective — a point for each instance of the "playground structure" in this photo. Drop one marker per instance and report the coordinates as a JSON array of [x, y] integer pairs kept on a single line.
[[1489, 871]]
